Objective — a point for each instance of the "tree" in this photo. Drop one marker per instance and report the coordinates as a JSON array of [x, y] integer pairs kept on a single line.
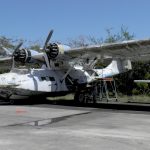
[[6, 42], [81, 41], [122, 35], [35, 47]]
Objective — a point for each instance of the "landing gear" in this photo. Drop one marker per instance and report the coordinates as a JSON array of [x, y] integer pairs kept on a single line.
[[12, 101], [79, 98], [86, 96], [105, 90]]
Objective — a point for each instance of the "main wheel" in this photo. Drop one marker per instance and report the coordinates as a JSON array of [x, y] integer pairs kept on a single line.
[[79, 98], [12, 101]]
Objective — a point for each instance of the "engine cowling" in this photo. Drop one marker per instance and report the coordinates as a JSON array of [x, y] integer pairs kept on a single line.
[[52, 50], [22, 55]]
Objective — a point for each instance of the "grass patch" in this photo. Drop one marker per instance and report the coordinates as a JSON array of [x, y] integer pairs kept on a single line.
[[66, 97], [121, 98], [134, 99]]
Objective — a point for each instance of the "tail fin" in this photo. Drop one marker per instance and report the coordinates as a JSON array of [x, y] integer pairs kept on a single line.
[[117, 66]]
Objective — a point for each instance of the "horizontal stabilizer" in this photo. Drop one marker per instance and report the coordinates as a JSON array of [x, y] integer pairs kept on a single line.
[[117, 66]]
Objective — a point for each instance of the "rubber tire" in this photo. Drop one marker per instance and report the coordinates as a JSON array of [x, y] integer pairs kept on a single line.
[[79, 98], [12, 101]]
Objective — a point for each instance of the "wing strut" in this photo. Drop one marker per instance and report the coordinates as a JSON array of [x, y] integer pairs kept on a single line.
[[66, 74]]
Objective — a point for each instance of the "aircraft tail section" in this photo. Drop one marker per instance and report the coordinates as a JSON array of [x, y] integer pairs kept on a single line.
[[117, 66]]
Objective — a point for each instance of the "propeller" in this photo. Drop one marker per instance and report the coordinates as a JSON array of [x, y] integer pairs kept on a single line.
[[15, 51], [17, 48], [48, 39], [51, 49]]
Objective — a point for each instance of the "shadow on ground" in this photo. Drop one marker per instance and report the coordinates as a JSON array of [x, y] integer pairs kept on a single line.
[[104, 105]]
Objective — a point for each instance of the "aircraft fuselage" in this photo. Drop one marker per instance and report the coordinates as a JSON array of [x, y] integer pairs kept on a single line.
[[28, 82]]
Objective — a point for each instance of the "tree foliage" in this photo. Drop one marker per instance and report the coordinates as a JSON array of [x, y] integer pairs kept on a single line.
[[6, 42], [111, 37], [122, 35], [35, 47]]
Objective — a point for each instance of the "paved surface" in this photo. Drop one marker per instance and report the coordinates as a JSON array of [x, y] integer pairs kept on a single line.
[[73, 128], [16, 115]]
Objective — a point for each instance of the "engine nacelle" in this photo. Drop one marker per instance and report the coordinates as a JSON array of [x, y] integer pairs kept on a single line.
[[28, 56], [22, 55], [53, 50]]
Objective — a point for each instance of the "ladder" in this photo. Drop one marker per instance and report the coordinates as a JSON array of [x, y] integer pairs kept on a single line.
[[106, 90]]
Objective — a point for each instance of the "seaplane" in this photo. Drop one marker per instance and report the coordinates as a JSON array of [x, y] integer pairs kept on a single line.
[[65, 70]]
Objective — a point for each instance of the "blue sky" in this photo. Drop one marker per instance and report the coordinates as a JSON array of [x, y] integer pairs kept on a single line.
[[32, 19]]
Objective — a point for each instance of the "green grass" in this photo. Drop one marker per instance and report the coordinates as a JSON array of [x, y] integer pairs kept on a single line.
[[121, 98], [134, 99], [67, 97]]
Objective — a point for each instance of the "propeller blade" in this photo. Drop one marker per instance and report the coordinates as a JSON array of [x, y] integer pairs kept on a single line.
[[7, 51], [17, 47], [48, 38]]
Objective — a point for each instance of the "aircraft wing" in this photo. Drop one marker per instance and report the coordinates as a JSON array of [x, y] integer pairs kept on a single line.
[[133, 50], [4, 59]]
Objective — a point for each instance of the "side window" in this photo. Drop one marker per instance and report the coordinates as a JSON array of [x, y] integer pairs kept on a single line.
[[43, 78], [47, 78], [51, 78]]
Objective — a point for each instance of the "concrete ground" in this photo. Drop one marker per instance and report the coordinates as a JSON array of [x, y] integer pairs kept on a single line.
[[56, 127]]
